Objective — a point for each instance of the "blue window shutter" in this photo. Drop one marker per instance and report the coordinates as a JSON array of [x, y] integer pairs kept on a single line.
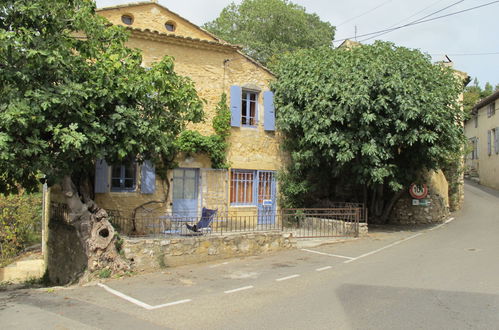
[[269, 111], [496, 142], [235, 106], [489, 142], [101, 177], [148, 178]]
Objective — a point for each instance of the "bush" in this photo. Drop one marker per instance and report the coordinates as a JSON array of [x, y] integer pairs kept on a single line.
[[20, 224]]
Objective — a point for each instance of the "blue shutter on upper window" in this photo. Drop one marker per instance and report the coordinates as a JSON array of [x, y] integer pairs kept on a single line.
[[101, 177], [148, 178], [235, 106], [489, 142], [269, 111]]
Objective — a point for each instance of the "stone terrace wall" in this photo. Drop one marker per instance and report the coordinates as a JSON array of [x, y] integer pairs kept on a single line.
[[153, 254]]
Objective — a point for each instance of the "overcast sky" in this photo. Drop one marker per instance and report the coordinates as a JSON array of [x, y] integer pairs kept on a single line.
[[463, 37]]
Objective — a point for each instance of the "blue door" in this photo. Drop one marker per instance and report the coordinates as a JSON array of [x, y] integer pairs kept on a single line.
[[185, 193], [266, 197]]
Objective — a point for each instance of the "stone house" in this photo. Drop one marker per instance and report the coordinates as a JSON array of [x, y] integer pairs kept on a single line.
[[482, 131], [249, 186]]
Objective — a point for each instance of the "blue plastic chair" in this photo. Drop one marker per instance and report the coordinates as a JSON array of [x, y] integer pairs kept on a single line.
[[207, 216]]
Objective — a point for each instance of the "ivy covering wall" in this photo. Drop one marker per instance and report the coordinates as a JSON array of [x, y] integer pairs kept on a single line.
[[215, 145]]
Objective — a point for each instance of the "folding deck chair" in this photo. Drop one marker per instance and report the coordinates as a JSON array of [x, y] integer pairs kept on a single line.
[[204, 224]]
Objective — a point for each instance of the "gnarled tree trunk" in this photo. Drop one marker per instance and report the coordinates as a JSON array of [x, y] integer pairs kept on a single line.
[[93, 228]]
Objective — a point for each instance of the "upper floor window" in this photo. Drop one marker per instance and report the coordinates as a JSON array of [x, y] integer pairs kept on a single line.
[[170, 26], [244, 107], [248, 108], [475, 119], [491, 109], [127, 19], [123, 177]]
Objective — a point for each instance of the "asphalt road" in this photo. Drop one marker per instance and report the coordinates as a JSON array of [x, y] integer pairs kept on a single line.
[[441, 277]]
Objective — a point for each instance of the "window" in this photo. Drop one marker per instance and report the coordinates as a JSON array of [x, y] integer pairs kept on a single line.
[[241, 187], [475, 117], [170, 26], [491, 110], [249, 187], [123, 177], [248, 108], [474, 146], [127, 19]]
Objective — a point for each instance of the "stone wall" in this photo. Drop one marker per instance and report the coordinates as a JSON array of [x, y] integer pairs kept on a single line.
[[66, 259], [438, 193], [153, 254]]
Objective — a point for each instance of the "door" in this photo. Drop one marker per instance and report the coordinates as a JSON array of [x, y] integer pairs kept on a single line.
[[266, 197], [185, 193]]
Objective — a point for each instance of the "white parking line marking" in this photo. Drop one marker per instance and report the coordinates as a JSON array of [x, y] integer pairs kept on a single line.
[[323, 268], [287, 278], [138, 302], [383, 248], [172, 303], [443, 224], [218, 265], [239, 289], [327, 254]]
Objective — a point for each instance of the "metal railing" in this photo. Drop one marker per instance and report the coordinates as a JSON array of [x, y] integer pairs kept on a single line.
[[338, 221]]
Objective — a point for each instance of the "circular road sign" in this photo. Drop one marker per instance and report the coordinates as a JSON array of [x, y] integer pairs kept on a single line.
[[418, 191]]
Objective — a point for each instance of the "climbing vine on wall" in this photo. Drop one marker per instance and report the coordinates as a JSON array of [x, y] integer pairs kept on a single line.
[[215, 145]]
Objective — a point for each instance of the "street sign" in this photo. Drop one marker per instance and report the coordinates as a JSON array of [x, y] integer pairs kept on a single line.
[[418, 191], [421, 202]]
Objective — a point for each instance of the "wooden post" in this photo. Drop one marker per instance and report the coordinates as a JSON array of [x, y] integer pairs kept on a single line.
[[45, 223]]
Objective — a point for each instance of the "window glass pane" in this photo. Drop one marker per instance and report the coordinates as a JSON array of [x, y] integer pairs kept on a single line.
[[178, 190], [190, 189], [244, 113], [115, 183], [178, 173], [190, 173], [253, 96], [252, 120], [129, 184], [129, 171], [116, 171]]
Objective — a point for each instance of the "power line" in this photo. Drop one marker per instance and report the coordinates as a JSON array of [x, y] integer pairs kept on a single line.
[[423, 21], [467, 54], [365, 13], [419, 19]]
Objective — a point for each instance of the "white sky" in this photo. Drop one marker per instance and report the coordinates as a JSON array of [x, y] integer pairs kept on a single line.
[[472, 32]]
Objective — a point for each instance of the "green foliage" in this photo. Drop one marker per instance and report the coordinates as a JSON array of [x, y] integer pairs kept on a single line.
[[267, 28], [20, 224], [105, 273], [118, 243], [71, 92], [371, 116], [215, 145], [474, 93], [221, 121]]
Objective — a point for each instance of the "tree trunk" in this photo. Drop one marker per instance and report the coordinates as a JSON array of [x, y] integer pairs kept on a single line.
[[388, 208], [93, 228]]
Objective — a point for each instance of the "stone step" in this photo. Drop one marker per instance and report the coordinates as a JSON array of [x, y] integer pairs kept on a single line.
[[22, 271]]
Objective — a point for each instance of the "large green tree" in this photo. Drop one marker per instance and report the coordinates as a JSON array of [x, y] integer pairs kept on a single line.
[[71, 93], [267, 28], [368, 119]]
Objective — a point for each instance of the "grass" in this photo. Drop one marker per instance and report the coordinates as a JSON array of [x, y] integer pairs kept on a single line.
[[105, 273]]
